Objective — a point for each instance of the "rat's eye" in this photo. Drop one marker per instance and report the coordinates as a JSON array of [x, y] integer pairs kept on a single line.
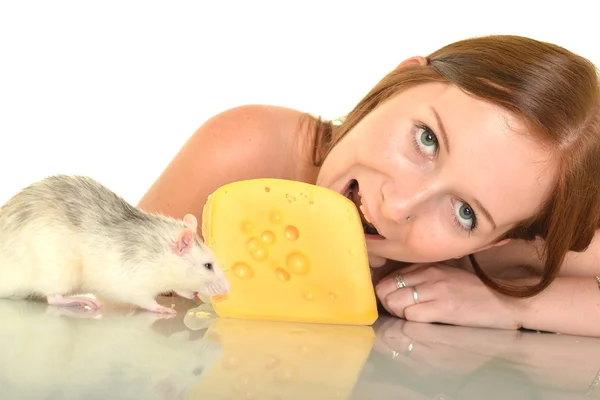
[[208, 266]]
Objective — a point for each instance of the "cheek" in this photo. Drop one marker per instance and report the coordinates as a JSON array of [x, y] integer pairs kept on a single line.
[[436, 247], [336, 163], [428, 242], [194, 271], [380, 147]]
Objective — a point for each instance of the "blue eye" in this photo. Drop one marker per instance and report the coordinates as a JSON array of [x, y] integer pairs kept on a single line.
[[425, 141], [464, 216]]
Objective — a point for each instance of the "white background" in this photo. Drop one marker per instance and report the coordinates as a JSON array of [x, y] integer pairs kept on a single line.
[[112, 89]]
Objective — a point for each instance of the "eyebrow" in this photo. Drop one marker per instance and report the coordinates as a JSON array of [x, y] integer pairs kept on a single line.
[[442, 130], [485, 212], [446, 145]]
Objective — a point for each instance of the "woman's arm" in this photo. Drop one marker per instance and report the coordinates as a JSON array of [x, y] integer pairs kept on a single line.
[[520, 254], [450, 295], [241, 143], [571, 305]]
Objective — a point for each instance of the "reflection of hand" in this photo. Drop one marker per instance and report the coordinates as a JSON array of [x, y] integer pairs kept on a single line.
[[430, 349], [543, 361], [448, 295]]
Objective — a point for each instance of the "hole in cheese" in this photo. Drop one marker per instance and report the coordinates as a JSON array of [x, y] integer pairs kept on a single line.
[[298, 242]]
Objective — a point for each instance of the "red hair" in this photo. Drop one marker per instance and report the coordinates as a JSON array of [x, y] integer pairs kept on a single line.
[[556, 93]]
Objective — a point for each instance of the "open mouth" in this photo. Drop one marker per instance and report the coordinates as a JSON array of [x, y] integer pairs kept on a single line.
[[351, 192]]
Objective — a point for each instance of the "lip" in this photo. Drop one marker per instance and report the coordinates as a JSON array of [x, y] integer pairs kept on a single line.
[[346, 186], [368, 236]]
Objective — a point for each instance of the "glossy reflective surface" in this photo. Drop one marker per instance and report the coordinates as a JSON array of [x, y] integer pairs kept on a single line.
[[49, 353]]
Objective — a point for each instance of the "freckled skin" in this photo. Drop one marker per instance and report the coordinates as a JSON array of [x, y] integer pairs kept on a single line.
[[418, 194]]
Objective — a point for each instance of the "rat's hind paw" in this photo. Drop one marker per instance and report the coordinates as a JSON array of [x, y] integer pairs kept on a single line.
[[82, 302]]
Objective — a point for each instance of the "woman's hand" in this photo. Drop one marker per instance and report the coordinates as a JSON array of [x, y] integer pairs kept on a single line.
[[445, 294]]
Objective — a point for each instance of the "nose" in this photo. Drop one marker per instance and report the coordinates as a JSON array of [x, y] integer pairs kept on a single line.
[[218, 286], [403, 200]]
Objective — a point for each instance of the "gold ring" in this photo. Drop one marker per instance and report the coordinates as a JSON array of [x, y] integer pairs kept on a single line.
[[399, 281], [415, 295]]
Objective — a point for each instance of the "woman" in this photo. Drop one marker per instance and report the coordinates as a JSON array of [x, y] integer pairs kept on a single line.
[[461, 162]]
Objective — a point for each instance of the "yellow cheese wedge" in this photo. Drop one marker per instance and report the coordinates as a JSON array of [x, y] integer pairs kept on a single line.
[[284, 360], [292, 251]]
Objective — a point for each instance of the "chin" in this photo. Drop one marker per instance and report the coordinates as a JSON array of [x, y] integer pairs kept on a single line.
[[376, 261]]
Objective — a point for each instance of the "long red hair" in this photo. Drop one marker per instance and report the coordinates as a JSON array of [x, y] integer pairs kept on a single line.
[[556, 93]]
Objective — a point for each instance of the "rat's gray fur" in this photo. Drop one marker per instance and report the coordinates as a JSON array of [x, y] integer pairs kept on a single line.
[[86, 205], [61, 221]]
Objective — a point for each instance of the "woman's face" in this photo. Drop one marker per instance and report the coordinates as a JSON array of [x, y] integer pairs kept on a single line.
[[438, 173]]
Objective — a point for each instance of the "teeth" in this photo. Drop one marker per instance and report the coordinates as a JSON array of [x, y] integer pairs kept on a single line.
[[362, 210]]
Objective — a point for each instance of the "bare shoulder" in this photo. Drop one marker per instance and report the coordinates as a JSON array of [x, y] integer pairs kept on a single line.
[[258, 125], [245, 142], [518, 253]]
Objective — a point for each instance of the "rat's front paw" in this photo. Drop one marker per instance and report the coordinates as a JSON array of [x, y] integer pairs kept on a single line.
[[152, 305]]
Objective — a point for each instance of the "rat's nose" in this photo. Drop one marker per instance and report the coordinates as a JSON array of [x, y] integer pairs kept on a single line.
[[217, 287]]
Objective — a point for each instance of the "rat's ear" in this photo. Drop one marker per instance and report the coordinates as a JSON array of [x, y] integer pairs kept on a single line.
[[184, 243], [191, 222]]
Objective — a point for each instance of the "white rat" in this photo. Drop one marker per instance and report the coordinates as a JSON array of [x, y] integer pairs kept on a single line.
[[67, 235]]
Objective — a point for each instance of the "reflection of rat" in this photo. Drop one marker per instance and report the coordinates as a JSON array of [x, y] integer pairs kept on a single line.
[[80, 358], [69, 234]]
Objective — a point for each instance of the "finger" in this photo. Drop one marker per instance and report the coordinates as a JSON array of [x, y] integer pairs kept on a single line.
[[444, 334], [410, 276], [398, 301], [398, 349], [459, 335], [425, 312], [395, 338], [404, 343], [472, 342], [391, 346], [412, 354], [391, 283], [390, 326]]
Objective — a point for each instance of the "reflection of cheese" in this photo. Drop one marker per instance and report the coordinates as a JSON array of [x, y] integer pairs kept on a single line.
[[291, 251], [284, 360]]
